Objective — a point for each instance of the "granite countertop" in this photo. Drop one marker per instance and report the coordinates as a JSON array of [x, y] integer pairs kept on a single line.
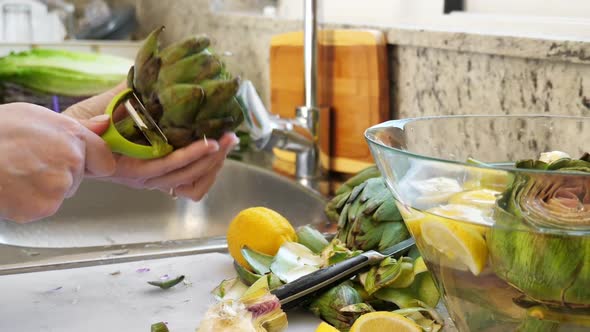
[[575, 51], [544, 48]]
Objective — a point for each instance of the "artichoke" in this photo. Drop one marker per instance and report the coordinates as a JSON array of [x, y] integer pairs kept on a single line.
[[340, 306], [367, 216], [527, 244], [242, 308], [389, 273], [337, 252], [186, 89]]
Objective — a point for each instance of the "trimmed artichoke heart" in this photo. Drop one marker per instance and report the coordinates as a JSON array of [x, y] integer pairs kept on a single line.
[[540, 242], [259, 311]]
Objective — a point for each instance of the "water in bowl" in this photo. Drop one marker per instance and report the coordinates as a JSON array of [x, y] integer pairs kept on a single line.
[[455, 240]]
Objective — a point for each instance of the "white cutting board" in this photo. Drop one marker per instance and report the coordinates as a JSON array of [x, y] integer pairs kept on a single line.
[[92, 300]]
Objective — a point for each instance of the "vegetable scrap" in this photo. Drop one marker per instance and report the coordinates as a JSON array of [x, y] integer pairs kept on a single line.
[[168, 283]]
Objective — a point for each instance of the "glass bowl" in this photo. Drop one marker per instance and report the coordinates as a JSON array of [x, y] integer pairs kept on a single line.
[[500, 210]]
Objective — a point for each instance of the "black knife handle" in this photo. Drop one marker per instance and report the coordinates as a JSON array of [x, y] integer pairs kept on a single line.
[[297, 291]]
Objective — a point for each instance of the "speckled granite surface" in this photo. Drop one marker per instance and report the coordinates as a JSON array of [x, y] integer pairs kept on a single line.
[[490, 139], [432, 72], [431, 81], [575, 51]]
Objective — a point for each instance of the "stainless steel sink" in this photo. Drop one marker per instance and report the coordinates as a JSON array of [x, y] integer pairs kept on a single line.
[[107, 223]]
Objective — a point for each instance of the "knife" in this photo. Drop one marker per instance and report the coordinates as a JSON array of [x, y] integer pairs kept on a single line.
[[298, 291]]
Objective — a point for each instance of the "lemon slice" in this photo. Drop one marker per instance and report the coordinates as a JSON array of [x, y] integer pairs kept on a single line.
[[325, 327], [487, 178], [419, 266], [412, 219], [483, 199], [461, 245], [477, 219], [435, 190], [384, 321]]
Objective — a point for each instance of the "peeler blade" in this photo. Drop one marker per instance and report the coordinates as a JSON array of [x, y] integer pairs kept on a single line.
[[143, 120]]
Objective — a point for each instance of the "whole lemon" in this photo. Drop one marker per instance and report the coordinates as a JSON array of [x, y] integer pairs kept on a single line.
[[261, 229]]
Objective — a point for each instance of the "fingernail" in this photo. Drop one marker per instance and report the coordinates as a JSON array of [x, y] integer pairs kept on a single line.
[[100, 118], [235, 139], [213, 146]]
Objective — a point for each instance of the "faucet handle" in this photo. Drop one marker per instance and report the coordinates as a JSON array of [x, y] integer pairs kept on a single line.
[[257, 119]]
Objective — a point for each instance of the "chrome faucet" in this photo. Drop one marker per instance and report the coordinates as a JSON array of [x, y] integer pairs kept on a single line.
[[308, 133]]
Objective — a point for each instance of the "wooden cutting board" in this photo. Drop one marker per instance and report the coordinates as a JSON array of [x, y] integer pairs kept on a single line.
[[353, 81]]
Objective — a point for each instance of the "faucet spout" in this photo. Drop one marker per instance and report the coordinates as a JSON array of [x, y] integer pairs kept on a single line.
[[308, 133], [289, 140], [310, 52]]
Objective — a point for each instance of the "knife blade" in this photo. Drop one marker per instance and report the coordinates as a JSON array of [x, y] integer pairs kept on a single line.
[[298, 291]]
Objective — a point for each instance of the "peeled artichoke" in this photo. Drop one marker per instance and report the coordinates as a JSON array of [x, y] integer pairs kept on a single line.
[[532, 245], [186, 89], [253, 309], [366, 212], [389, 273], [340, 306]]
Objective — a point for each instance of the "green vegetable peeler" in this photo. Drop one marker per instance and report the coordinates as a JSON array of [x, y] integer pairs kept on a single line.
[[159, 143]]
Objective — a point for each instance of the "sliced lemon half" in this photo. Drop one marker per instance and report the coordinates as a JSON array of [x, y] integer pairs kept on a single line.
[[384, 321], [487, 178], [466, 215], [325, 327], [461, 245], [483, 199], [412, 219]]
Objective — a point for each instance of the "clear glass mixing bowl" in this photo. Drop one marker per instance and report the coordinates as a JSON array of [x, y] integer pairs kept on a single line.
[[509, 246]]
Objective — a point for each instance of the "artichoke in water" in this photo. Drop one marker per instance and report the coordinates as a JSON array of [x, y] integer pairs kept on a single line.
[[366, 213], [186, 89], [528, 246]]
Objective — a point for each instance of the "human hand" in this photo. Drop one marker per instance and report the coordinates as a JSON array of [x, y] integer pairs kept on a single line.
[[44, 158], [187, 172]]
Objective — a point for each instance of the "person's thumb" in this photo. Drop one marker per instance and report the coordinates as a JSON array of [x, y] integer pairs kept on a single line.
[[98, 124]]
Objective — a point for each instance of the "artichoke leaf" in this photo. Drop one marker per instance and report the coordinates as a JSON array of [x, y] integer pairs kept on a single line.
[[370, 219], [328, 305], [311, 238], [293, 261], [230, 289], [367, 173], [427, 318], [259, 262], [247, 277], [422, 291], [382, 275], [336, 252]]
